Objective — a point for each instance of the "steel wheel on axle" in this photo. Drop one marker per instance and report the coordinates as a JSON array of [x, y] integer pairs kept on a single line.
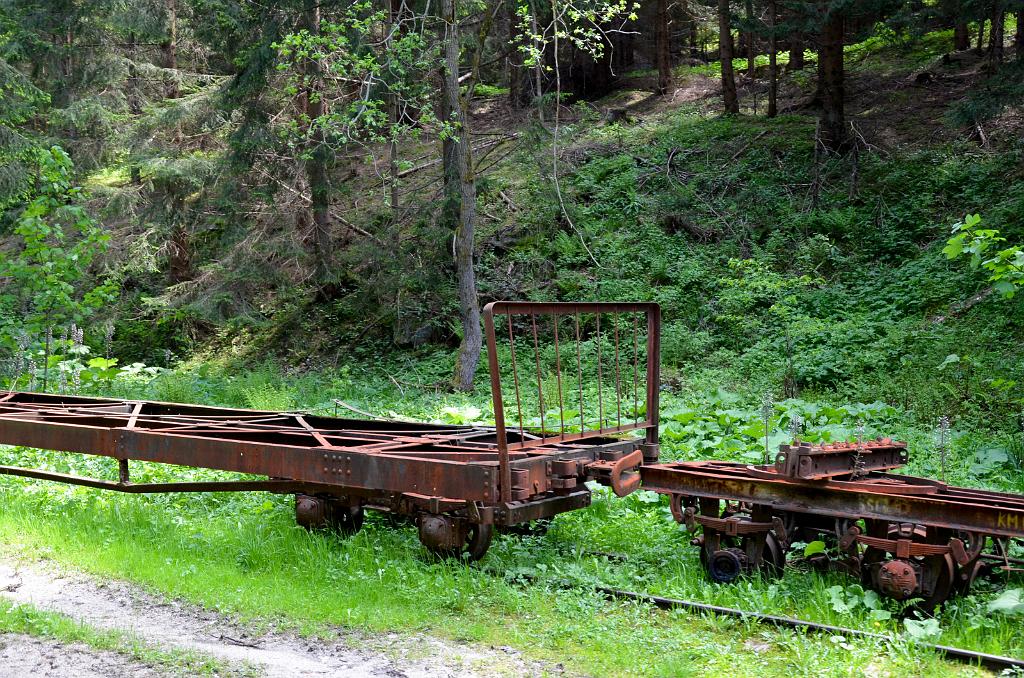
[[450, 537], [773, 563], [330, 513], [942, 571], [731, 559]]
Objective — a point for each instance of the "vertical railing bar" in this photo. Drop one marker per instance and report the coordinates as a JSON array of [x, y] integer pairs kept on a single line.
[[600, 377], [653, 378], [515, 377], [650, 421], [618, 375], [558, 377], [579, 369], [540, 389], [636, 372], [501, 435]]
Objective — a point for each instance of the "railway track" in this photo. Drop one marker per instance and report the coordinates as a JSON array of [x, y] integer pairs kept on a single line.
[[990, 661], [958, 654]]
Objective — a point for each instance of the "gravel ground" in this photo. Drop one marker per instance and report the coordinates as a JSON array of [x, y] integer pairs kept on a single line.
[[172, 624], [27, 656]]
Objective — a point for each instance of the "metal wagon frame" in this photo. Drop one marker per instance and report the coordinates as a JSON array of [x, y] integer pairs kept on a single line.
[[455, 482]]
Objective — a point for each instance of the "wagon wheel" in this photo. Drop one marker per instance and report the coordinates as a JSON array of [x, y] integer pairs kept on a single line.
[[733, 560], [446, 538], [725, 563], [478, 540], [317, 513], [345, 519], [943, 569], [966, 574], [773, 562], [940, 570]]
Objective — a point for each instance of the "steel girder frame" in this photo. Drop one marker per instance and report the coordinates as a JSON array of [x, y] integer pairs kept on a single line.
[[934, 504], [395, 465]]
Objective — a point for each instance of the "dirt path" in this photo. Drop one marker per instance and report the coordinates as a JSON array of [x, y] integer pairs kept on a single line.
[[116, 605], [27, 656]]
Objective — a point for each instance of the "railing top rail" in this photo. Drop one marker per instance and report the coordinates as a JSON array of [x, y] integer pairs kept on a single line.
[[566, 307]]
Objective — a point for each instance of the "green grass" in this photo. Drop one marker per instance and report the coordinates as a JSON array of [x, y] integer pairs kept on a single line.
[[28, 620], [242, 554], [259, 566]]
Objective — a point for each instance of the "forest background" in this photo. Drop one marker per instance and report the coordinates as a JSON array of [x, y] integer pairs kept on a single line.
[[281, 205]]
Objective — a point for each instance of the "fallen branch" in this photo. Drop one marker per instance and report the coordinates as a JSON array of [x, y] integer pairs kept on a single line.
[[508, 201], [342, 403], [236, 641], [981, 135], [747, 145], [306, 198], [436, 161], [958, 308]]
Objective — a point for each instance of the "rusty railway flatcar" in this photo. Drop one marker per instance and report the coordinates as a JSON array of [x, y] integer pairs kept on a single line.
[[456, 482], [575, 392]]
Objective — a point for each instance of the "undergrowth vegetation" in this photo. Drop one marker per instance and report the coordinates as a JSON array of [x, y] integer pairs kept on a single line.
[[821, 283], [242, 553]]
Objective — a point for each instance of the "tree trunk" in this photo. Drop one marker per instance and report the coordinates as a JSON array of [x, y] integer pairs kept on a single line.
[[662, 47], [830, 82], [180, 260], [751, 51], [691, 29], [773, 66], [469, 307], [796, 42], [538, 84], [179, 255], [394, 8], [996, 34], [134, 103], [1018, 40], [732, 105], [170, 49], [961, 35], [133, 94], [796, 54], [316, 164], [515, 58], [981, 35]]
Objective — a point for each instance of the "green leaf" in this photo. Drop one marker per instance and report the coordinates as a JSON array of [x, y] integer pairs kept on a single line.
[[813, 548], [460, 415], [1004, 287], [1010, 602], [922, 629], [989, 459], [684, 417], [954, 247], [872, 601]]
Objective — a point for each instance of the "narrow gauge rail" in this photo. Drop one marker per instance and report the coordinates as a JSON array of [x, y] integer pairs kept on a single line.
[[989, 661]]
